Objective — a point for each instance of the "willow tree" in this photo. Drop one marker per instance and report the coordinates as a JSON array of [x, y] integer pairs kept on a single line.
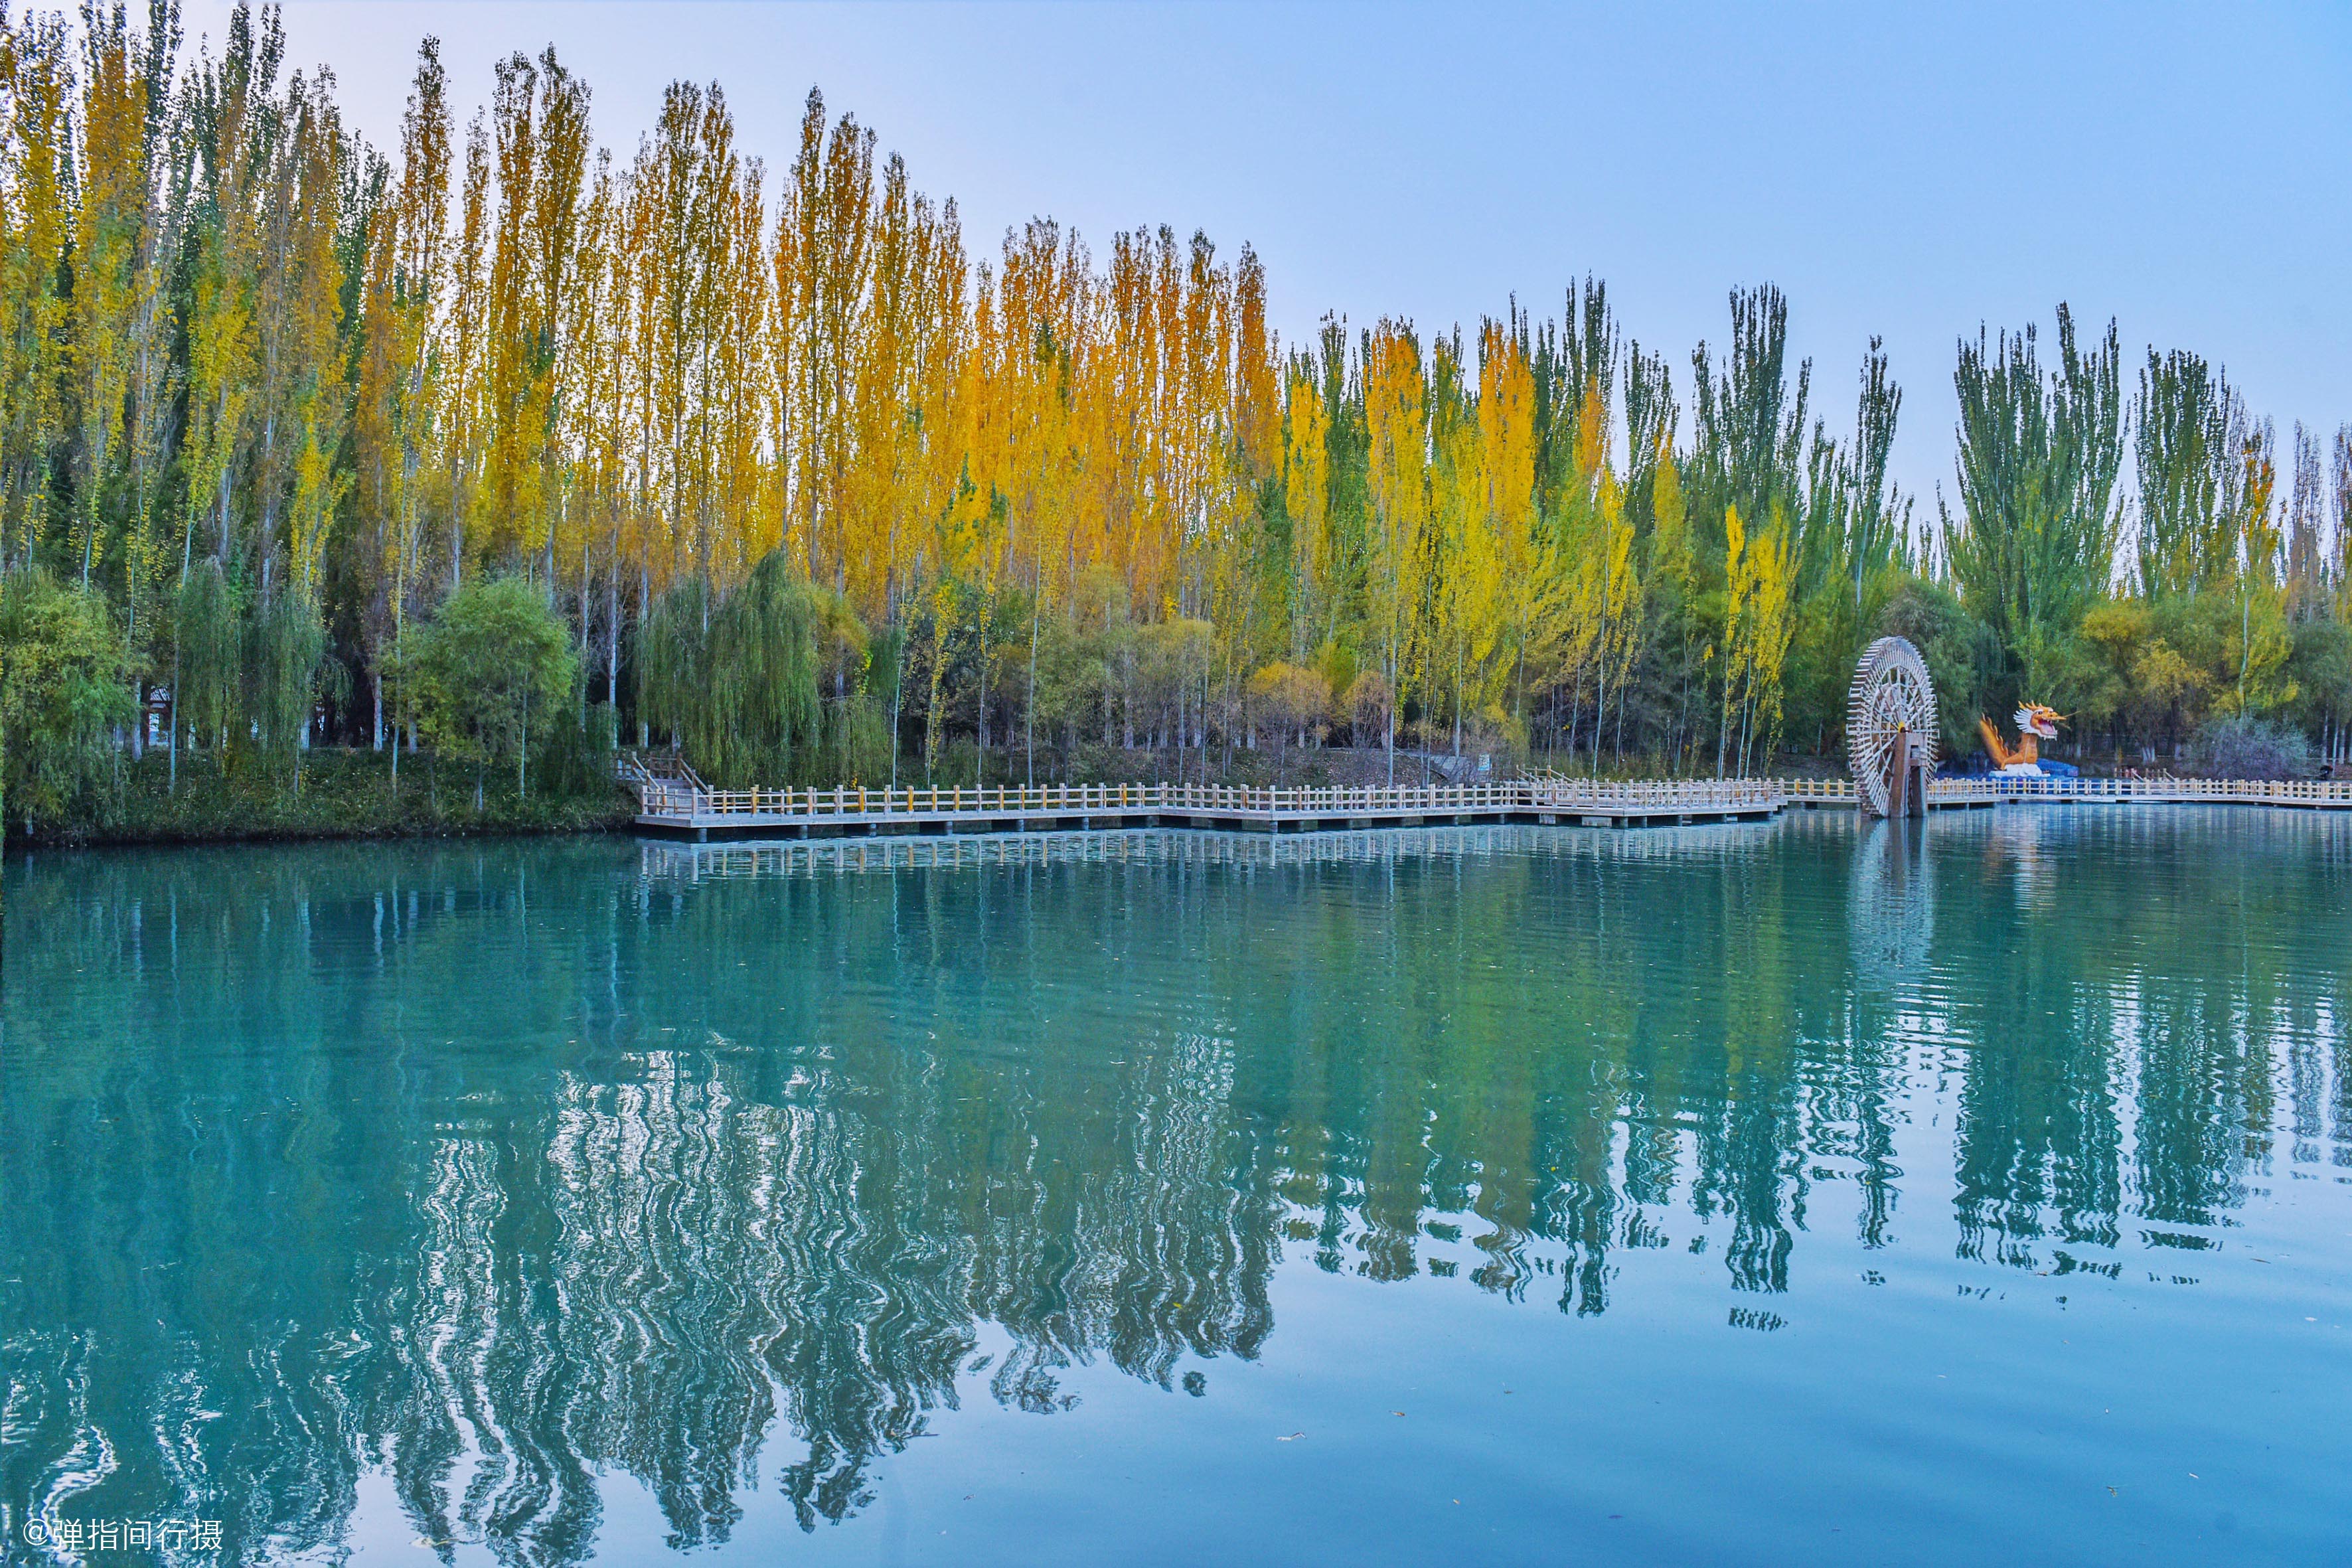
[[206, 659], [671, 656], [284, 648], [764, 665], [735, 679]]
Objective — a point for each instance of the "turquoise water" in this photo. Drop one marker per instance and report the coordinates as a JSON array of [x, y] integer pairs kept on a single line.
[[1800, 1191]]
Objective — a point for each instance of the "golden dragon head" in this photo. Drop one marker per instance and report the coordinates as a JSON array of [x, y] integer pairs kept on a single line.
[[2032, 718]]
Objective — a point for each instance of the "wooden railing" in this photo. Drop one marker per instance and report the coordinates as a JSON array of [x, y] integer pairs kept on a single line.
[[1662, 796], [681, 800], [667, 799], [2009, 787]]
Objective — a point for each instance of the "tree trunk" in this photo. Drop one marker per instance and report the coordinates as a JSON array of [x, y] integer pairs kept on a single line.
[[1036, 604]]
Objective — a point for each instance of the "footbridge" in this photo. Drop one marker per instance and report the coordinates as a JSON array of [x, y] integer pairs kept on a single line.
[[674, 802]]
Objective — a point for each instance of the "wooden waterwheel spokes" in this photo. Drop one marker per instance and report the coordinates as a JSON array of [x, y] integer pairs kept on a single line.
[[1891, 705]]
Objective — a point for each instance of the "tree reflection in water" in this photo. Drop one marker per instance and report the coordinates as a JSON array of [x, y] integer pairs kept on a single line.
[[492, 1168]]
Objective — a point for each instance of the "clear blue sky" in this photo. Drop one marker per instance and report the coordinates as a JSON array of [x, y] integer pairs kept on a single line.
[[1908, 170]]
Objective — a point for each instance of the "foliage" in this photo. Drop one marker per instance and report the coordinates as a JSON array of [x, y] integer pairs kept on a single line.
[[2320, 663], [735, 679], [856, 747], [2038, 459], [798, 481], [1292, 702], [284, 646], [345, 794], [2239, 747], [207, 679], [572, 754], [64, 685], [1958, 648], [2188, 420], [492, 662]]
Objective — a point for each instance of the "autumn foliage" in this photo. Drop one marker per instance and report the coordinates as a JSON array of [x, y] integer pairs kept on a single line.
[[742, 424]]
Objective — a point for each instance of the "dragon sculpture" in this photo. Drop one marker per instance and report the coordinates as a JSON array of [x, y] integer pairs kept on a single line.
[[2035, 724]]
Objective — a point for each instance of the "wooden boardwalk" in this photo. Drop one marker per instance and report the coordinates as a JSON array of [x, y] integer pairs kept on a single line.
[[1950, 795], [681, 807], [676, 803]]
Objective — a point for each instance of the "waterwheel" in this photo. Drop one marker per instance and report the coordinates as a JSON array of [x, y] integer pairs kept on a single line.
[[1890, 729], [1891, 909]]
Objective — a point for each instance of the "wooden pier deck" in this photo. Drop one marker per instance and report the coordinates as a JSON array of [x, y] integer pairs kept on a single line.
[[682, 807], [677, 807]]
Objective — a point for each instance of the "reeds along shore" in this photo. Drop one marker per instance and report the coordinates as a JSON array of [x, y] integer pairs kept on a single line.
[[527, 424]]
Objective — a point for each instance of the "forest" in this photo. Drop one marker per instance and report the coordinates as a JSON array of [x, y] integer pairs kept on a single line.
[[507, 446]]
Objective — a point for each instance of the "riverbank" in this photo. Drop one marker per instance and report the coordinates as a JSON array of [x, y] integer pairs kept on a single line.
[[350, 792], [343, 795]]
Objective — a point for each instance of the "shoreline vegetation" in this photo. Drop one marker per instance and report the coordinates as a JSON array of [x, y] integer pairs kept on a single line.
[[350, 792], [530, 437], [344, 794]]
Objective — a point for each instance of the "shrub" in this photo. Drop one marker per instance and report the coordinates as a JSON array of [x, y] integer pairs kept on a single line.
[[2237, 747]]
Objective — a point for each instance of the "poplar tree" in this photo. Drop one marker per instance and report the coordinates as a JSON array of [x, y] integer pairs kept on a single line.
[[799, 476], [2034, 543]]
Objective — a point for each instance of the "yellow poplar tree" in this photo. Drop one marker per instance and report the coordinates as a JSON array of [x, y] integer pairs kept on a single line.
[[35, 226], [110, 233], [1396, 421], [1467, 575], [1305, 499]]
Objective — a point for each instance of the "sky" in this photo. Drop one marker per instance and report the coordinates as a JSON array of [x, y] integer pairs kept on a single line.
[[1915, 172]]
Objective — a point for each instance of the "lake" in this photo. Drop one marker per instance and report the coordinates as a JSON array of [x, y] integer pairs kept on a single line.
[[1798, 1191]]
